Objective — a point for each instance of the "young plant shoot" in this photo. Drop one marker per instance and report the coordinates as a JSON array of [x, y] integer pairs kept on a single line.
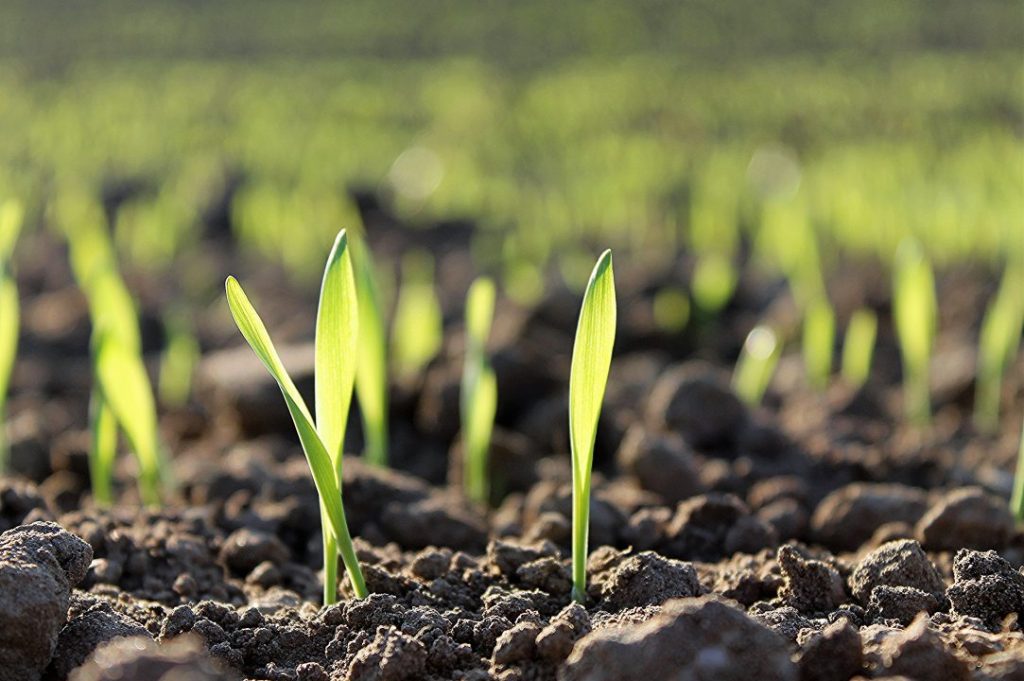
[[479, 393], [591, 361], [859, 346], [336, 347], [1017, 500], [418, 323], [10, 313], [756, 364], [372, 369], [818, 338], [997, 346], [915, 312]]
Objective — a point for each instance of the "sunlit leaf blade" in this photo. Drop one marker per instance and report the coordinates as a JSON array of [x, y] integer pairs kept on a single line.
[[127, 390], [478, 429], [9, 324], [479, 312], [113, 310], [591, 360], [320, 463], [11, 219], [756, 364], [997, 344], [818, 339], [859, 347], [102, 449], [915, 312], [1017, 500], [372, 364], [337, 336]]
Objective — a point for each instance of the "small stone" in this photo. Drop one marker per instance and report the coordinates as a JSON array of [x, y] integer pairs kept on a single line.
[[848, 517], [518, 644], [661, 463], [694, 400], [246, 548], [900, 603], [835, 654]]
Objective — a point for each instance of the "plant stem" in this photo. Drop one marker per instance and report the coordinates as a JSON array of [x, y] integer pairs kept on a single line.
[[348, 555], [580, 528], [330, 559]]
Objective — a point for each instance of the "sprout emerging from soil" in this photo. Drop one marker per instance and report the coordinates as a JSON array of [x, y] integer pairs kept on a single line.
[[1000, 337], [336, 347], [10, 226], [591, 360], [756, 364], [479, 394], [418, 324], [178, 362], [818, 338], [915, 313], [122, 395], [1017, 500], [372, 369], [859, 346]]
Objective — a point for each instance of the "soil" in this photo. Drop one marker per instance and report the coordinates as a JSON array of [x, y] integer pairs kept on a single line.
[[816, 538]]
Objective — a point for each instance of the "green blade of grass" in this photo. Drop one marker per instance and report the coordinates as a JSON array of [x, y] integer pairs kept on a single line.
[[320, 463], [997, 344], [9, 325], [756, 364], [1017, 500], [372, 366], [915, 312], [12, 216], [591, 361], [478, 397], [859, 347], [126, 388], [102, 449], [818, 338], [336, 344]]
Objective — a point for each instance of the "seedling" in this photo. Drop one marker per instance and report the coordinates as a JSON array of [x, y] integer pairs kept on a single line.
[[417, 333], [756, 364], [1000, 337], [714, 281], [337, 328], [591, 361], [818, 338], [10, 314], [479, 395], [915, 312], [1017, 500], [372, 369], [178, 362], [859, 346]]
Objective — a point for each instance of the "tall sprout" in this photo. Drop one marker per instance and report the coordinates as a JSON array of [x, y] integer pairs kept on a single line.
[[591, 361], [756, 364], [478, 401], [178, 362], [417, 332], [1017, 500], [915, 313], [372, 369], [859, 347], [818, 338], [11, 215], [997, 346], [322, 442]]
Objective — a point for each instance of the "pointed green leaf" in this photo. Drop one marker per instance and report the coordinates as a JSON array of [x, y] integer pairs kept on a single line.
[[372, 364], [591, 360], [126, 388], [337, 337], [479, 313], [320, 462]]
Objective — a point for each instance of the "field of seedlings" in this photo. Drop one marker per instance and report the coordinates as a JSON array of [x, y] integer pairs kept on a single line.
[[527, 341]]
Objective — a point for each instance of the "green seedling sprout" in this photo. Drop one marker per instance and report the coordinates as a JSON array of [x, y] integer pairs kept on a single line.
[[997, 346], [756, 364], [818, 338], [591, 361], [1017, 500], [915, 313], [714, 282], [10, 312], [178, 363], [336, 347], [372, 369], [417, 332], [858, 347], [478, 401]]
